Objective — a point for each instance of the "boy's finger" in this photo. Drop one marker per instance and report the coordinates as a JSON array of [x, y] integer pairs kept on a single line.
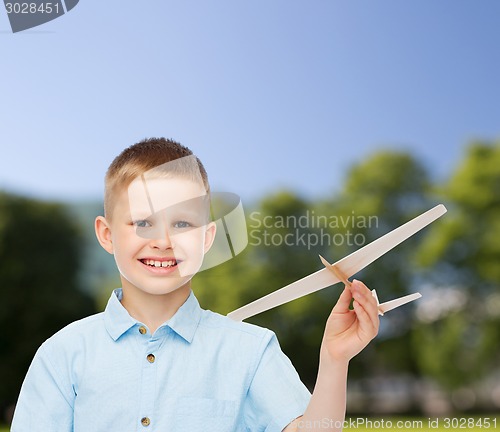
[[364, 296], [372, 310], [361, 287], [364, 291], [364, 319], [344, 301]]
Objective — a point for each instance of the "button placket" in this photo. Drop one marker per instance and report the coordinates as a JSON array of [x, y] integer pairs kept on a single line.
[[148, 381]]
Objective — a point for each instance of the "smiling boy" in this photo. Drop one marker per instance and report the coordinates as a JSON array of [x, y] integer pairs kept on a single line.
[[154, 360]]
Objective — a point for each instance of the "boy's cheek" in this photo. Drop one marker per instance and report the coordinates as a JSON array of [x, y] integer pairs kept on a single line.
[[190, 239]]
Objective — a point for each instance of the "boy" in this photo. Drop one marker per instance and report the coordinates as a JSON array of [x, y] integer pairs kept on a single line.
[[154, 360]]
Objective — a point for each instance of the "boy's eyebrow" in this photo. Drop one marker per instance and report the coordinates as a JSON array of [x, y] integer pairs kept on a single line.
[[141, 214], [174, 209]]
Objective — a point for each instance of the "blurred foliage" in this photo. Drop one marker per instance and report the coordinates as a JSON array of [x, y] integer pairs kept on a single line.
[[468, 241], [464, 249], [39, 262]]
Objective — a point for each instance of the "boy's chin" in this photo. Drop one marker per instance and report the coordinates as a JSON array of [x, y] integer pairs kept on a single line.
[[168, 290], [169, 286]]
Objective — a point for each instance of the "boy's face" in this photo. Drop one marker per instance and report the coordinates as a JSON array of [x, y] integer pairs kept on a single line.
[[159, 233]]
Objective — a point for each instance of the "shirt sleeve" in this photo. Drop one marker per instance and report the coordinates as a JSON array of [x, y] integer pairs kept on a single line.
[[45, 403], [276, 395]]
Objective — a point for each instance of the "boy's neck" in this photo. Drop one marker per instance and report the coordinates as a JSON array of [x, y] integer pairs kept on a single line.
[[153, 310]]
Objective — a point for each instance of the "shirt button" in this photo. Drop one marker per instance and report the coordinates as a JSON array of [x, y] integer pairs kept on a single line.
[[142, 330], [145, 421], [151, 358]]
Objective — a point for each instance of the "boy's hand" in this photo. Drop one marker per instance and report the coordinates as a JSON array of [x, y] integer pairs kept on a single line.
[[348, 331]]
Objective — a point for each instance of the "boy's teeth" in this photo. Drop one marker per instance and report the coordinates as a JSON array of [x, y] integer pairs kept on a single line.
[[154, 263]]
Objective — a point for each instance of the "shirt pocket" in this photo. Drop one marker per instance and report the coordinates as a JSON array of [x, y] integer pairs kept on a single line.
[[204, 414]]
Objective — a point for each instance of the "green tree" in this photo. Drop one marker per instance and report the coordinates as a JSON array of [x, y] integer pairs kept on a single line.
[[39, 261], [460, 346]]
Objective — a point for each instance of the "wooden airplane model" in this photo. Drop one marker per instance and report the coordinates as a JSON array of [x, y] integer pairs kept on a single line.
[[343, 269]]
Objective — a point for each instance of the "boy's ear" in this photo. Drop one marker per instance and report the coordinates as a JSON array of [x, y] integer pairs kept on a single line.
[[209, 236], [103, 233]]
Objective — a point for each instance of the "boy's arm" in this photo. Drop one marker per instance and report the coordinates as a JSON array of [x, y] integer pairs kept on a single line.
[[347, 332], [45, 403]]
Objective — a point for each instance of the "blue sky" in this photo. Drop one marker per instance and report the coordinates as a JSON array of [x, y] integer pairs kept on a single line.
[[268, 94]]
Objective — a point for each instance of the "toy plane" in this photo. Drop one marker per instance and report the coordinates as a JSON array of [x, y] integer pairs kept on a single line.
[[341, 270]]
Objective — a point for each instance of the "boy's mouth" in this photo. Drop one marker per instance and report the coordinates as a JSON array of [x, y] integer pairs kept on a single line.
[[159, 264]]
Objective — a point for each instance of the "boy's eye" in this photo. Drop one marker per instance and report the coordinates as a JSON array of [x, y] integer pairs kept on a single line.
[[182, 224], [141, 224]]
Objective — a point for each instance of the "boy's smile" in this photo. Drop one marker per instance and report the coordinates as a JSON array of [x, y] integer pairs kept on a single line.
[[160, 265]]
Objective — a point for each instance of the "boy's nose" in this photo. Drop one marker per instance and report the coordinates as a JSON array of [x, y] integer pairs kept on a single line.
[[162, 239]]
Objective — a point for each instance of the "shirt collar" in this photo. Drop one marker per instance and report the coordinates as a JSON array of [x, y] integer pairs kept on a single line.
[[186, 319], [184, 322]]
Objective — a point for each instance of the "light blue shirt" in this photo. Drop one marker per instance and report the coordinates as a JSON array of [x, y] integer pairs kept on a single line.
[[200, 371]]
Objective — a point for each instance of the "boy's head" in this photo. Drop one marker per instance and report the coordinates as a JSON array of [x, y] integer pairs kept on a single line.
[[156, 221], [149, 155]]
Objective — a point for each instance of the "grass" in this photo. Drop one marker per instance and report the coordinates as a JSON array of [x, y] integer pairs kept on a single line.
[[420, 424]]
